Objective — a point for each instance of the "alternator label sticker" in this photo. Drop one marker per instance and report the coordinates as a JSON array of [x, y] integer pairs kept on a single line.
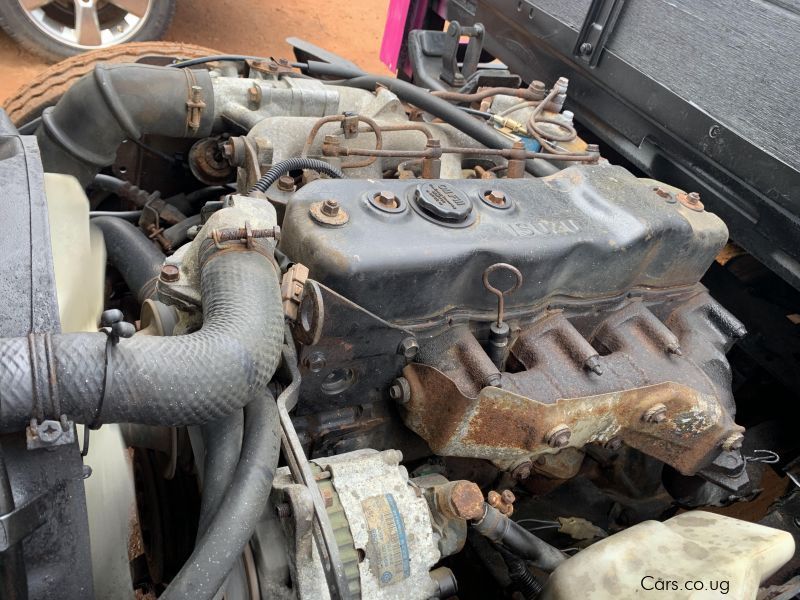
[[387, 549]]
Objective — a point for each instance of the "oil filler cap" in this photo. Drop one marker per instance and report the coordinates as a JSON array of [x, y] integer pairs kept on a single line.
[[443, 202]]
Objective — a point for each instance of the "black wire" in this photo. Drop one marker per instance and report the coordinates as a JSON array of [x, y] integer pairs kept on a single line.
[[478, 113], [227, 57]]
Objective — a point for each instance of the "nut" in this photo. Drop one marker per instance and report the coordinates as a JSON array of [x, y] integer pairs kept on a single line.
[[504, 502], [558, 436], [330, 208], [692, 201], [328, 212], [408, 348], [400, 390], [655, 414], [733, 442], [170, 273]]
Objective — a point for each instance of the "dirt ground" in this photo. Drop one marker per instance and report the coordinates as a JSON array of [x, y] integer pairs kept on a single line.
[[352, 29]]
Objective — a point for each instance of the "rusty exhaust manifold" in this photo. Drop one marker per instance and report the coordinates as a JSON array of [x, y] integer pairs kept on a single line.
[[633, 382]]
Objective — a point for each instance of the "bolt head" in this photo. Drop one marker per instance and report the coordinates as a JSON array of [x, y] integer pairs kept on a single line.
[[655, 414], [522, 471], [408, 348], [558, 436], [330, 208], [170, 273], [387, 199], [496, 197], [286, 183]]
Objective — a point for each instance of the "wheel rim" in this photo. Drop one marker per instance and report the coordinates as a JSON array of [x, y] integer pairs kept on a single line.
[[88, 24]]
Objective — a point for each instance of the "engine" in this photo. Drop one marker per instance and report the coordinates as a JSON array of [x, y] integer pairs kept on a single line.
[[381, 329]]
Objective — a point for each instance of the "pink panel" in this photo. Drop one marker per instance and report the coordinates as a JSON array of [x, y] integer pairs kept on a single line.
[[393, 32]]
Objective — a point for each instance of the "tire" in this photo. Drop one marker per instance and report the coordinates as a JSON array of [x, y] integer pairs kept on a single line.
[[27, 34], [28, 102]]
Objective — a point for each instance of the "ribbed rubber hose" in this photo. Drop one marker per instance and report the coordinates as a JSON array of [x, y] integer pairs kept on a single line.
[[476, 129], [132, 253], [183, 380], [223, 445], [233, 525], [293, 164]]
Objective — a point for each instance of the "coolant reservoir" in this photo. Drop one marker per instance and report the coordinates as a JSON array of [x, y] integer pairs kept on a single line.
[[696, 555]]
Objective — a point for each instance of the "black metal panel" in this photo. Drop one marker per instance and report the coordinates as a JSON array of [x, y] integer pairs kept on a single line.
[[664, 133], [57, 557]]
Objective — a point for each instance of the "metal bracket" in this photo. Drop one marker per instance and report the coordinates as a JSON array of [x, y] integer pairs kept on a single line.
[[597, 27], [450, 71], [18, 524], [49, 433]]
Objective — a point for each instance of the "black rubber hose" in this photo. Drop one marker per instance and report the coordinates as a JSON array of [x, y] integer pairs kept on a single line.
[[82, 132], [520, 575], [478, 130], [500, 529], [293, 164], [179, 233], [13, 578], [183, 380], [131, 252], [232, 527], [223, 445]]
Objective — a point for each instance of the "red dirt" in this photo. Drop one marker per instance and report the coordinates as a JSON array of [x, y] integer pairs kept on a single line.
[[352, 29]]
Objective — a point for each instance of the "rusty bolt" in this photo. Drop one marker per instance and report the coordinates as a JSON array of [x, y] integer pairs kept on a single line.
[[522, 471], [460, 499], [691, 200], [400, 390], [558, 436], [330, 208], [254, 94], [408, 348], [732, 442], [504, 502], [286, 183], [661, 192], [655, 414], [170, 273], [386, 199], [496, 197]]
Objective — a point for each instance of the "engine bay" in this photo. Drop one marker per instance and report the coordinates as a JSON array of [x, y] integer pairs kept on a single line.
[[360, 339]]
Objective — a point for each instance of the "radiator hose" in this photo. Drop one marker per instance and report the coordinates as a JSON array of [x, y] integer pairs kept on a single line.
[[183, 380], [81, 133], [132, 253]]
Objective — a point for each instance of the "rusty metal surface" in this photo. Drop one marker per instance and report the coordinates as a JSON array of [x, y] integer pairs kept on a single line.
[[661, 390]]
